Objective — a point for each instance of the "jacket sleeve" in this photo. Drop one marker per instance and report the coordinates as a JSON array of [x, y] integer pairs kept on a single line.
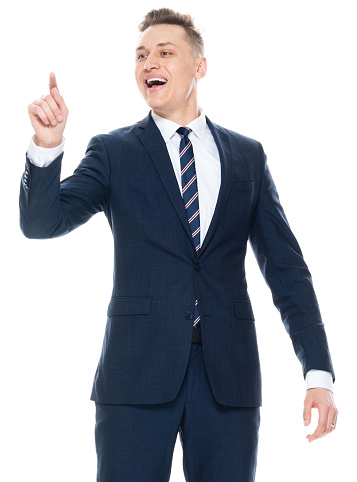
[[282, 264], [50, 207]]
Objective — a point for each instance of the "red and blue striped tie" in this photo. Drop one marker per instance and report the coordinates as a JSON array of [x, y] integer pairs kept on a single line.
[[190, 194]]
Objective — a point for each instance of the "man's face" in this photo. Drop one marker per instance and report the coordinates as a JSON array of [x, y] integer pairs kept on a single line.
[[164, 53]]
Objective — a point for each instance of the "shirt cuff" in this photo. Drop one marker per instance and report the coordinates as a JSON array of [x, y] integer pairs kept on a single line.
[[42, 156], [319, 379]]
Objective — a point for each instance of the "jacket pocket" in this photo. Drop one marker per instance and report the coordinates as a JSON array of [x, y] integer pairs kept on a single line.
[[242, 186], [129, 305], [243, 309]]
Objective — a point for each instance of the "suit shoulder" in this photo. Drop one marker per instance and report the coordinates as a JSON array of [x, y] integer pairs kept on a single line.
[[120, 133], [249, 141], [119, 139], [240, 140]]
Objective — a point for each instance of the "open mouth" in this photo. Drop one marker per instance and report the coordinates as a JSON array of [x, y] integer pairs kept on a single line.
[[155, 81]]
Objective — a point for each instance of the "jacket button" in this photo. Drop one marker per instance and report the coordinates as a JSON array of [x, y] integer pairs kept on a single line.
[[197, 266], [189, 315]]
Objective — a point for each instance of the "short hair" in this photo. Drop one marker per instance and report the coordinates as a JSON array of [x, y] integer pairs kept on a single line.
[[169, 16]]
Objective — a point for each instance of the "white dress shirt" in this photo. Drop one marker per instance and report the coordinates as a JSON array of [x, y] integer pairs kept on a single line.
[[208, 171]]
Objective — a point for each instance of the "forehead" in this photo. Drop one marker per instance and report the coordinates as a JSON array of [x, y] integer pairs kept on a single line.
[[161, 34]]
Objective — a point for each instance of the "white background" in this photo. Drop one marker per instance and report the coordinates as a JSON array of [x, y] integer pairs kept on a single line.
[[282, 72]]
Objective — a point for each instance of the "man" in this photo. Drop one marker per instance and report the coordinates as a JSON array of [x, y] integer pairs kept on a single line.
[[182, 196]]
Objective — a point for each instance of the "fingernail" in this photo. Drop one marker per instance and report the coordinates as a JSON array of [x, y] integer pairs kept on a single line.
[[59, 118], [55, 89], [306, 422], [53, 122]]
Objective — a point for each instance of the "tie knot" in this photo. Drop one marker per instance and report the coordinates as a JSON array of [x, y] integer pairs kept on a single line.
[[183, 131]]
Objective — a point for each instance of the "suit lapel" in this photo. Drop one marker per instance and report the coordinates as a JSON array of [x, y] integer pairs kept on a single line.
[[154, 143], [226, 157]]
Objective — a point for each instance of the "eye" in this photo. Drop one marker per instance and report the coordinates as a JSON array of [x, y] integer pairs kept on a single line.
[[141, 56], [166, 54]]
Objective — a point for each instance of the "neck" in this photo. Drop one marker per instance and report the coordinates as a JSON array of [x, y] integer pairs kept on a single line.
[[182, 117]]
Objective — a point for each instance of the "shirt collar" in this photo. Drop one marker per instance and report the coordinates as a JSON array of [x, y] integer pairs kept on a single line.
[[168, 128]]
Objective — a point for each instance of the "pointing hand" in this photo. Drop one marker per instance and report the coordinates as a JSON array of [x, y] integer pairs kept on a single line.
[[48, 116]]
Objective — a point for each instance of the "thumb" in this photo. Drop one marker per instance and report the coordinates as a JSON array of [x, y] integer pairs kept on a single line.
[[307, 414]]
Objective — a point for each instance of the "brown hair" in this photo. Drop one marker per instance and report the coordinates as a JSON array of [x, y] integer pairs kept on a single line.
[[168, 16]]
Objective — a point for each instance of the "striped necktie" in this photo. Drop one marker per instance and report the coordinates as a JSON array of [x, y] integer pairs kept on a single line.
[[190, 194]]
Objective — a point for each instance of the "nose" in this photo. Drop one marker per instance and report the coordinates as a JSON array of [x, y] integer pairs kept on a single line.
[[151, 63]]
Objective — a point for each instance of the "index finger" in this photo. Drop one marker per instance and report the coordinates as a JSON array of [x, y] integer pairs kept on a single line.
[[321, 427], [53, 81]]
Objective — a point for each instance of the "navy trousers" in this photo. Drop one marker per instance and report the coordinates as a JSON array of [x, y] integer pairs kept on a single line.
[[135, 443]]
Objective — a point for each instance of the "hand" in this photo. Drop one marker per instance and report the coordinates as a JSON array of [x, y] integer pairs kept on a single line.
[[322, 399], [48, 116]]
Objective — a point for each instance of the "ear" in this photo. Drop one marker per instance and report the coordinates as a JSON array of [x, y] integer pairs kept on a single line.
[[201, 68]]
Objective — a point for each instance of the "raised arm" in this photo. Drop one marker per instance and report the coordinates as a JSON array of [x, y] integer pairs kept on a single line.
[[50, 207]]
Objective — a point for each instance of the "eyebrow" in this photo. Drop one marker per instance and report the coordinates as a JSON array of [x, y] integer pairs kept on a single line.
[[161, 44]]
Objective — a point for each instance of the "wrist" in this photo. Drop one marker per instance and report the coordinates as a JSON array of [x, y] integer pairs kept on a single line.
[[48, 144]]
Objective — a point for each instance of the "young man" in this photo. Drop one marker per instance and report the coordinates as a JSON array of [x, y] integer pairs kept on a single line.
[[182, 196]]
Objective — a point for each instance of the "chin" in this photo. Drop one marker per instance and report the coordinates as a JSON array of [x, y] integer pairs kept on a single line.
[[155, 105], [157, 102]]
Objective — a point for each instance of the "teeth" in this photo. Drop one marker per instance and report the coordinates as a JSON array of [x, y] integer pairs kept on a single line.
[[157, 79]]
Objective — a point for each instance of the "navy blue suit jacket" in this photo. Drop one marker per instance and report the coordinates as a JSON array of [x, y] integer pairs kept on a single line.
[[157, 271]]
